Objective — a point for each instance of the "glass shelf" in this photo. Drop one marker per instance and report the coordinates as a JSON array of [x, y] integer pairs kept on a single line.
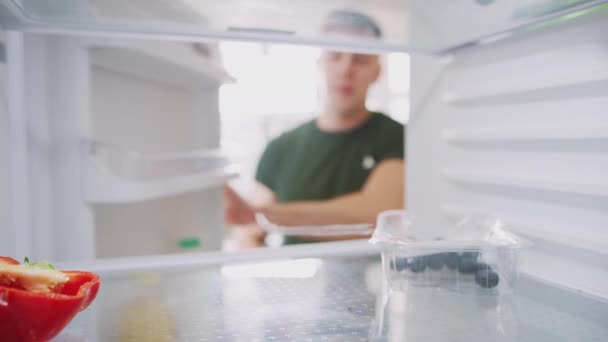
[[408, 25], [331, 291]]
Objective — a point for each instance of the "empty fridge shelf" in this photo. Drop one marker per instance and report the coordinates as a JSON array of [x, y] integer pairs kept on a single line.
[[339, 301], [116, 175]]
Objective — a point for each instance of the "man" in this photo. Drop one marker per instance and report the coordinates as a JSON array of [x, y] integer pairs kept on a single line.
[[346, 166]]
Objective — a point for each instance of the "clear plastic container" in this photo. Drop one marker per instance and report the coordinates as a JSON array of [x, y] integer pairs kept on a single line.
[[460, 287], [335, 230]]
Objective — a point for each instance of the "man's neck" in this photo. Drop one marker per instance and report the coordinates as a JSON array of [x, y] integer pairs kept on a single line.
[[334, 123]]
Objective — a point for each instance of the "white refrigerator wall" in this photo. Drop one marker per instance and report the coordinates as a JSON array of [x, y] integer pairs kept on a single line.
[[6, 224], [7, 242], [165, 118], [519, 129]]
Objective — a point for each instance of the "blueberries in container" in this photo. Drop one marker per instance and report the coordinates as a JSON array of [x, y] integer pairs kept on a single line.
[[417, 264], [398, 264], [436, 261], [487, 278], [467, 265], [451, 260]]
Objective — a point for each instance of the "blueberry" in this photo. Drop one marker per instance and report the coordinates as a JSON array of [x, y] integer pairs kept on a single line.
[[435, 261], [473, 255], [467, 265], [486, 278], [482, 266], [451, 260], [485, 2], [398, 264], [417, 264]]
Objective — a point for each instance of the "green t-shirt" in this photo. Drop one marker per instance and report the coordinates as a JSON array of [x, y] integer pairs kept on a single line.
[[309, 164]]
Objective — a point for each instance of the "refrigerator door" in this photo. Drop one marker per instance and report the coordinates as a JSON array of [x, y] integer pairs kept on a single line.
[[439, 25], [112, 147], [518, 129]]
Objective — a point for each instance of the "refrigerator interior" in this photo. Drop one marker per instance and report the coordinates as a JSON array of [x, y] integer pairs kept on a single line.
[[508, 119]]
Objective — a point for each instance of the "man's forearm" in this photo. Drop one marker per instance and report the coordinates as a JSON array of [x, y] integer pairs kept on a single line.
[[356, 207], [383, 190]]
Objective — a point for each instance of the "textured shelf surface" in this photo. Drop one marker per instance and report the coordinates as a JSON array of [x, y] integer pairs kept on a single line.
[[313, 299]]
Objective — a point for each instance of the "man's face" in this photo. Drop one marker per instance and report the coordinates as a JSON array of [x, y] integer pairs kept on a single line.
[[348, 77]]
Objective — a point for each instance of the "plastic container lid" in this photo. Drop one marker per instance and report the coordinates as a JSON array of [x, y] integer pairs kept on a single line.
[[396, 229]]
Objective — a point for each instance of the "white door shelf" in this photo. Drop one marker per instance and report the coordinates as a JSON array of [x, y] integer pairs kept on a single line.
[[116, 175]]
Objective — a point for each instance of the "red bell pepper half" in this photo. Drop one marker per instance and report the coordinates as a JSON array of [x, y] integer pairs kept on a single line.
[[27, 316]]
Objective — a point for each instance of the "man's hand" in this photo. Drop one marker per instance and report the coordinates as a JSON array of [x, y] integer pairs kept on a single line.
[[240, 212], [237, 210], [250, 236]]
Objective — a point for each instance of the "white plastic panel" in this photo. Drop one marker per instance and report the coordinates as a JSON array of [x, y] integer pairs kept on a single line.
[[57, 108], [7, 243], [442, 25], [177, 118], [157, 226], [518, 129], [18, 191]]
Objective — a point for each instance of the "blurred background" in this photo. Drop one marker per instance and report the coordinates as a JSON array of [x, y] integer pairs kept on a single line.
[[277, 87]]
